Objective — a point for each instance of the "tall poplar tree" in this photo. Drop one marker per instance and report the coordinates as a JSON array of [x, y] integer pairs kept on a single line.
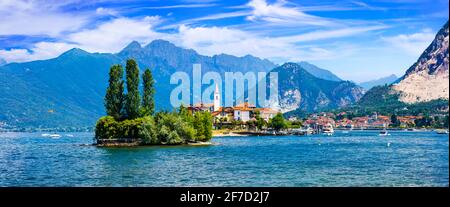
[[133, 103], [114, 98], [148, 102]]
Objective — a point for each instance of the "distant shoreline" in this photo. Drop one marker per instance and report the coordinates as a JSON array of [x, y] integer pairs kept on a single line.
[[219, 132], [241, 133]]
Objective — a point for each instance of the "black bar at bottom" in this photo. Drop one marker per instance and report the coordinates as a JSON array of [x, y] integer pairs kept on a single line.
[[228, 196]]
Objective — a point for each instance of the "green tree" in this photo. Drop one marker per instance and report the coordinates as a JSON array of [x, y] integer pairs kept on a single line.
[[202, 124], [114, 98], [260, 122], [172, 129], [296, 124], [198, 126], [148, 102], [207, 126], [394, 121], [423, 122], [132, 105], [446, 122], [278, 122]]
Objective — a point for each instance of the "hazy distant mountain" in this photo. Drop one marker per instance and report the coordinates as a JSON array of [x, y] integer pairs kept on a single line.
[[298, 89], [379, 82], [64, 91], [319, 72], [69, 90]]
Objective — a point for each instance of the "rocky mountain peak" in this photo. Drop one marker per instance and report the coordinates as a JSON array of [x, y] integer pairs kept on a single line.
[[427, 79]]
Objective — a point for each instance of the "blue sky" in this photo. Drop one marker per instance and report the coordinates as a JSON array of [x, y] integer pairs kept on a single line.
[[358, 40]]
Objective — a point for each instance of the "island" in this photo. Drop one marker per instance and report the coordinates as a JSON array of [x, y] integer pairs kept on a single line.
[[132, 121]]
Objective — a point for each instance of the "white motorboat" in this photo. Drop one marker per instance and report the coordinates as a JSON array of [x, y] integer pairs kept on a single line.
[[55, 136], [442, 131], [384, 132], [328, 130]]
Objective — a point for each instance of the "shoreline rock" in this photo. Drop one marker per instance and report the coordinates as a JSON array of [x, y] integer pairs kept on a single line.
[[140, 143], [231, 134]]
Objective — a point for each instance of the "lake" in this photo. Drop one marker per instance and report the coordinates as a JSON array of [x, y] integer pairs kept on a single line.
[[357, 158]]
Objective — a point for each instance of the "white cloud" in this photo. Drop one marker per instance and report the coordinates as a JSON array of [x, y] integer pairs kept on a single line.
[[279, 13], [36, 18], [328, 34], [116, 34], [413, 44], [106, 12], [41, 50], [208, 17], [368, 7], [217, 40], [111, 36], [179, 6]]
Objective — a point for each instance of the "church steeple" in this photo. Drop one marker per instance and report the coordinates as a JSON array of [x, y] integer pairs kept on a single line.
[[216, 98]]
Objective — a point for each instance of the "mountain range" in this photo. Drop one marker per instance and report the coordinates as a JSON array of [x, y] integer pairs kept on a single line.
[[300, 90], [319, 72], [68, 90]]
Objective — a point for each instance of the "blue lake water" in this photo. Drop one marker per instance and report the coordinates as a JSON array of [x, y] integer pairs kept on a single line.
[[359, 158]]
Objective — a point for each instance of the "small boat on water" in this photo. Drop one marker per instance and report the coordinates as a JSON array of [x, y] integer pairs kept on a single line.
[[54, 135], [309, 131], [442, 131], [69, 135], [328, 130], [384, 132]]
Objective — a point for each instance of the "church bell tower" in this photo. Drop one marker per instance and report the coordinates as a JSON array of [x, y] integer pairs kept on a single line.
[[216, 98]]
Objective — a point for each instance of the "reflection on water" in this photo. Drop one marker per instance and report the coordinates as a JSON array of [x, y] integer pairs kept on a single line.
[[357, 158]]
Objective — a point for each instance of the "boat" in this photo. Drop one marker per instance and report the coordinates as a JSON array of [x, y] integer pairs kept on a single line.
[[442, 131], [55, 136], [384, 132], [69, 135], [328, 130], [309, 131]]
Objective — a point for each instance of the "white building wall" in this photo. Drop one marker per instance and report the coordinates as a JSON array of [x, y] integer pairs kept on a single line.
[[242, 115]]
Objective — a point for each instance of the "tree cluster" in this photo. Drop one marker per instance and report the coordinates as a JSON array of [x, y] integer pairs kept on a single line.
[[129, 117]]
